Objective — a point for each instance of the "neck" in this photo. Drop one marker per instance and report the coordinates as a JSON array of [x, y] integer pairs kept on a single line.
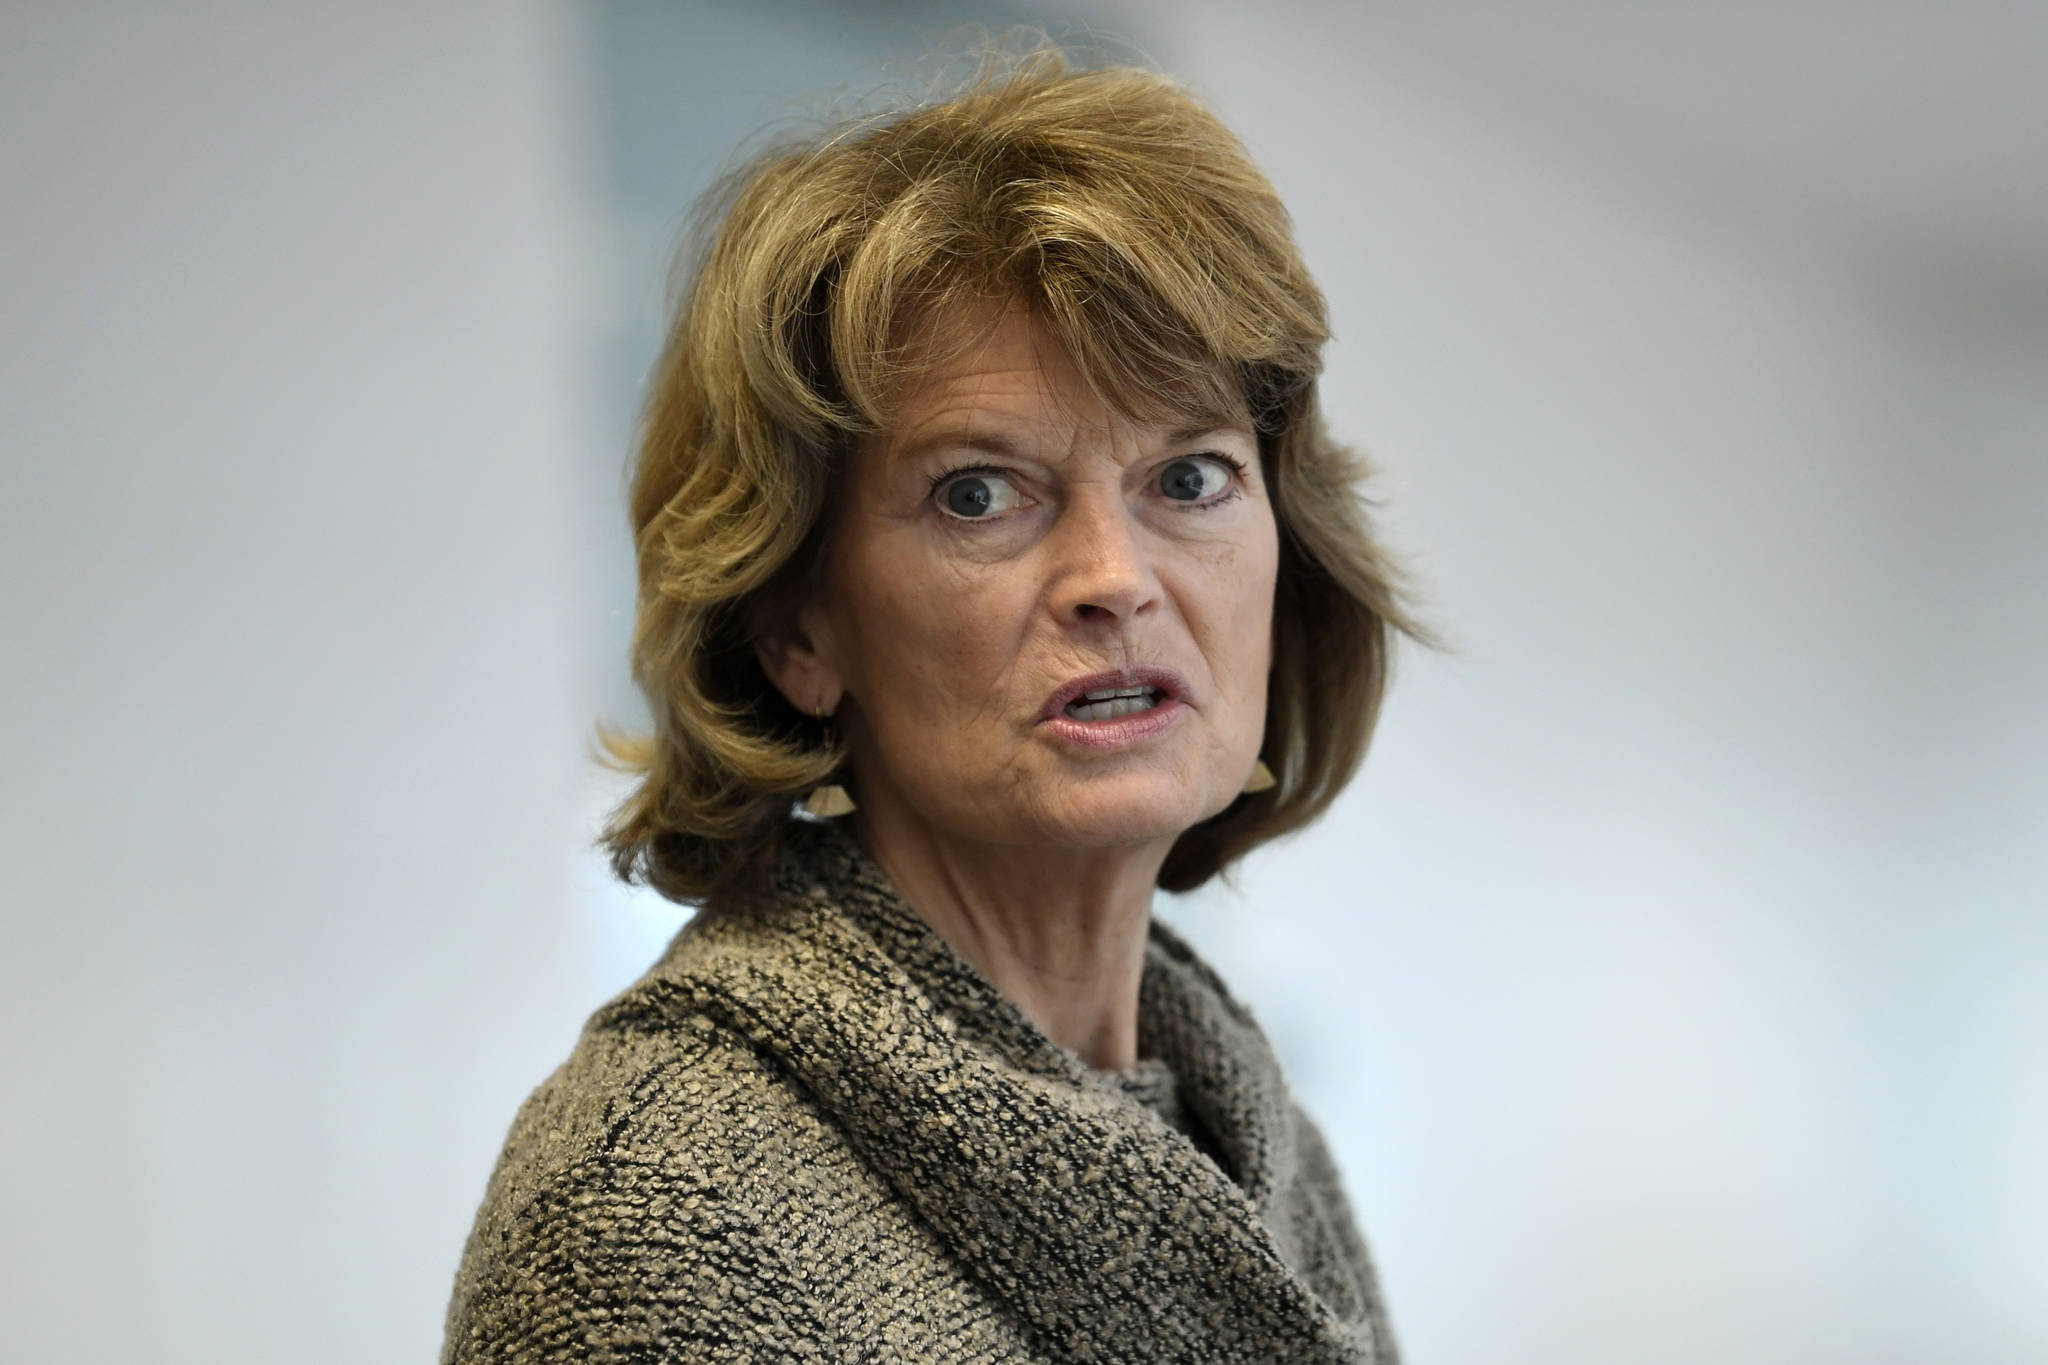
[[1058, 930]]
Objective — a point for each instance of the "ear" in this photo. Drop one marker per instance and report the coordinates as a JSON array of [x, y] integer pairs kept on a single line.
[[794, 646]]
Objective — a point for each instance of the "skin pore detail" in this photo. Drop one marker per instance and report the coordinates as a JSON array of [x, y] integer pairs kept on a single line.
[[1007, 534]]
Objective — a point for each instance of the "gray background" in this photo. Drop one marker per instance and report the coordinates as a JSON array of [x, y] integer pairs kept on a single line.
[[1670, 983]]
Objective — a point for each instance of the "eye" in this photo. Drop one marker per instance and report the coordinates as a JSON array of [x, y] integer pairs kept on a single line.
[[1198, 478], [975, 494]]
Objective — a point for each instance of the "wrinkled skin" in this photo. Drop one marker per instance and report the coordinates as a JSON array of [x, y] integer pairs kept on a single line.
[[940, 637]]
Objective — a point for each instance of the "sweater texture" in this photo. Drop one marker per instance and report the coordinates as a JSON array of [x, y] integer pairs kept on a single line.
[[813, 1131]]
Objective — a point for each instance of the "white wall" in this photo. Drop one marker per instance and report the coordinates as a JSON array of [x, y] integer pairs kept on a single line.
[[1968, 1019], [297, 662], [1670, 982]]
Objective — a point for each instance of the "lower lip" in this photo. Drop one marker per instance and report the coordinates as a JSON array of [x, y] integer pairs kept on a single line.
[[1119, 733]]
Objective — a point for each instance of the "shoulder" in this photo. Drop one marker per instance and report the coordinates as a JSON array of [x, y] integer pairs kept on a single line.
[[630, 1211], [1339, 1262]]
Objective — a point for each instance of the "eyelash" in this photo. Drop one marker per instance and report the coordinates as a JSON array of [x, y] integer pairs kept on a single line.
[[1237, 468]]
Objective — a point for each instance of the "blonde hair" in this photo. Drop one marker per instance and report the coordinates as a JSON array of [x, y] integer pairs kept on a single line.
[[1136, 226]]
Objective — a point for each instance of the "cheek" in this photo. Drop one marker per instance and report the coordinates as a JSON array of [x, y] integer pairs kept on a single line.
[[1233, 596], [935, 637]]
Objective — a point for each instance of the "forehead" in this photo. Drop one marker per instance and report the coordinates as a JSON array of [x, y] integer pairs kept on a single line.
[[1000, 362]]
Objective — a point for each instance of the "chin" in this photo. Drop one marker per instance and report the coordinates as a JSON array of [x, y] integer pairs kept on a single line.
[[1125, 809]]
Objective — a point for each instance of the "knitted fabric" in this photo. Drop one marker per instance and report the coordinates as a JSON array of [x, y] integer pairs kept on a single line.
[[813, 1131]]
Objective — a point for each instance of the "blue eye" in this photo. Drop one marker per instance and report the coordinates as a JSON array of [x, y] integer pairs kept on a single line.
[[1194, 478], [976, 494]]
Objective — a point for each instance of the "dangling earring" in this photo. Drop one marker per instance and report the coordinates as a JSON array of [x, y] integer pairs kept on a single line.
[[1262, 778], [830, 799]]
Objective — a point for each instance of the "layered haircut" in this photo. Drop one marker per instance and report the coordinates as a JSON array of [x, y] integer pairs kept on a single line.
[[1136, 226]]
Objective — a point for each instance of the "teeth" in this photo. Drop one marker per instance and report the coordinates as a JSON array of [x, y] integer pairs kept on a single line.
[[1120, 704], [1108, 692]]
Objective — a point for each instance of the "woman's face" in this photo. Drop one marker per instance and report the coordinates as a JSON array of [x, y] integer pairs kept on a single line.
[[1011, 539]]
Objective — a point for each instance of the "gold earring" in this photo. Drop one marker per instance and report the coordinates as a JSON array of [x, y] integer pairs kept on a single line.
[[1262, 778], [829, 799]]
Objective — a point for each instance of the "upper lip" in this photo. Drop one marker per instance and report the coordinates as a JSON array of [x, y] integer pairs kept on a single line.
[[1170, 683]]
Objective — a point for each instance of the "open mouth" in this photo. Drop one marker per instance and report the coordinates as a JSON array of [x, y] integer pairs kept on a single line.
[[1111, 702]]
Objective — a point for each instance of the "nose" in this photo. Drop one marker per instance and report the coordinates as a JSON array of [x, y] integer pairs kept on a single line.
[[1104, 573]]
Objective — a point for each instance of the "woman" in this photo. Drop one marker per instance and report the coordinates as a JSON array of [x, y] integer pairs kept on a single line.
[[983, 507]]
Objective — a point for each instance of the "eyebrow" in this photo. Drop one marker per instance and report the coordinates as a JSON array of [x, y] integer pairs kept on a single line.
[[994, 443]]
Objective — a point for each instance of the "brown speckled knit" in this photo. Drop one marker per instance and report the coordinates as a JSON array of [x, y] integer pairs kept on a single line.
[[816, 1132]]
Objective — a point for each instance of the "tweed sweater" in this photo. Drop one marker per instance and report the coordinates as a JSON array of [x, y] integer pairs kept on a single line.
[[813, 1131]]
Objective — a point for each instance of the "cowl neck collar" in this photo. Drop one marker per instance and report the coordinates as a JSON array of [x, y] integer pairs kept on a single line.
[[1110, 1234]]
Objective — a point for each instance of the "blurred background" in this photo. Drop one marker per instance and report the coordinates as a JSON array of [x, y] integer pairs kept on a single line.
[[1671, 985]]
